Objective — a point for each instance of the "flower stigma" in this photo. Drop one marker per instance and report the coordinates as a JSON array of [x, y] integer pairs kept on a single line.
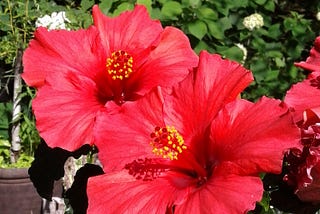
[[167, 142], [119, 65]]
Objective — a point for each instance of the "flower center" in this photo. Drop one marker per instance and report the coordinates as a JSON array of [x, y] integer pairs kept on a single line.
[[167, 142], [119, 65]]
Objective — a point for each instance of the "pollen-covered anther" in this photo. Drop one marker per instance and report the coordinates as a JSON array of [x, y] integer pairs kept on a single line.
[[119, 65], [167, 142]]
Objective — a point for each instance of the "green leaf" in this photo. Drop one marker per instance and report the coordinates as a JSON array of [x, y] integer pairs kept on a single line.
[[123, 7], [293, 72], [280, 62], [225, 23], [191, 3], [171, 10], [86, 4], [146, 3], [233, 53], [5, 22], [215, 30], [237, 4], [201, 46], [274, 31], [260, 2], [105, 6], [270, 6], [198, 29], [207, 13]]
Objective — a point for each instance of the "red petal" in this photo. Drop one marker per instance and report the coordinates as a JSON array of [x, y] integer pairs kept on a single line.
[[313, 61], [197, 100], [57, 51], [168, 63], [228, 194], [303, 95], [124, 135], [65, 115], [132, 31], [121, 193], [254, 136], [311, 192]]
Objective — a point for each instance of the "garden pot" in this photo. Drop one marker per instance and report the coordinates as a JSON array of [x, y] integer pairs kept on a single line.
[[17, 193]]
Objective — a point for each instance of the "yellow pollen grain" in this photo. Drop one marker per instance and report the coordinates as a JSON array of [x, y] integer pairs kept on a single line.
[[167, 142], [119, 65]]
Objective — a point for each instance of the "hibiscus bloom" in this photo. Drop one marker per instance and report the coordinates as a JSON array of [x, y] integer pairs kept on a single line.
[[313, 61], [304, 95], [197, 150], [303, 166], [118, 59]]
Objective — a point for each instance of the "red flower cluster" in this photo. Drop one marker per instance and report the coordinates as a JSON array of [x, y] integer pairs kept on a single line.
[[303, 165], [116, 60], [172, 133]]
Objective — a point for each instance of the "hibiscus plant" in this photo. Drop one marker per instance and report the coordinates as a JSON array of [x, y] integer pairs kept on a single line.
[[186, 106]]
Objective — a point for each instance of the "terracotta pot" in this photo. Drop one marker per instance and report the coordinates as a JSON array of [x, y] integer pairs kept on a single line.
[[17, 194]]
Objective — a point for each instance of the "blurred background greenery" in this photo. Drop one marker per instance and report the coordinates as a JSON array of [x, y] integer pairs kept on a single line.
[[269, 50]]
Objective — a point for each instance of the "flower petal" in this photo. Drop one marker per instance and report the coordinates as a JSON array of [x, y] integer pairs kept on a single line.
[[124, 135], [55, 51], [313, 61], [65, 115], [121, 193], [197, 99], [132, 31], [230, 194], [304, 95], [311, 192], [168, 63], [254, 136]]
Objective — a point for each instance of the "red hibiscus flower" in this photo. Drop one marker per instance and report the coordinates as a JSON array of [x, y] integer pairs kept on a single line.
[[118, 59], [313, 61], [304, 95], [303, 165], [196, 150]]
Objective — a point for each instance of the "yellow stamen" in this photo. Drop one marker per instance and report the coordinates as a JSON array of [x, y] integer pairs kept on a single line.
[[167, 142], [119, 65]]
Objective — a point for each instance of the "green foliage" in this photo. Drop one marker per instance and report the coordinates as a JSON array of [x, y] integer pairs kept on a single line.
[[24, 159]]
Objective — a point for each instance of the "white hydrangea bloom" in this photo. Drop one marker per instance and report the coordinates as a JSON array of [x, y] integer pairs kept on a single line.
[[318, 16], [253, 21], [56, 21], [244, 50]]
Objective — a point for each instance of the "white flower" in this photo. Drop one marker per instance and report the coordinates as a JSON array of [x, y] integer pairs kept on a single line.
[[253, 21], [244, 50], [57, 20], [318, 16], [43, 21]]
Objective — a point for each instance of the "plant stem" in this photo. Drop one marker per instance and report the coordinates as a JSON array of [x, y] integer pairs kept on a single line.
[[16, 109]]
